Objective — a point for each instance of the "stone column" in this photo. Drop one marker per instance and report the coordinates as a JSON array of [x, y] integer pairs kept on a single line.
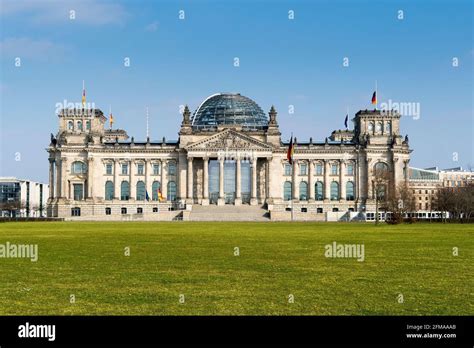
[[190, 193], [253, 197], [64, 166], [90, 178], [148, 179], [133, 186], [327, 184], [238, 182], [268, 178], [356, 180], [221, 200], [58, 178], [205, 184], [342, 184], [294, 184], [51, 178], [164, 180], [311, 181], [116, 179]]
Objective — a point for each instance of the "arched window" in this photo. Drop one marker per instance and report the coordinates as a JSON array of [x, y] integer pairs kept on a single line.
[[303, 191], [109, 190], [70, 125], [141, 191], [388, 127], [334, 191], [371, 127], [350, 191], [378, 128], [287, 191], [171, 191], [380, 168], [154, 189], [78, 167], [125, 191], [319, 191], [79, 125], [88, 125]]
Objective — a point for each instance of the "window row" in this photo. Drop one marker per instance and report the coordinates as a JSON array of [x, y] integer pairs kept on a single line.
[[319, 191], [78, 125], [374, 127], [141, 192], [76, 211], [319, 169], [79, 167]]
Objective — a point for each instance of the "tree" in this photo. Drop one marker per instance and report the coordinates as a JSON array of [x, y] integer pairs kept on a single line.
[[382, 180], [400, 201]]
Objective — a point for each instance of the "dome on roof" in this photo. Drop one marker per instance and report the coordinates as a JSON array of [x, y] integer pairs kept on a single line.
[[229, 109]]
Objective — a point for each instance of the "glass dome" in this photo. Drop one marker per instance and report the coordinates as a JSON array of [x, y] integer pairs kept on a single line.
[[229, 109]]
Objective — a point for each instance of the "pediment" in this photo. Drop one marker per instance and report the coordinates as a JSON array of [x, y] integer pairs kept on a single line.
[[229, 139]]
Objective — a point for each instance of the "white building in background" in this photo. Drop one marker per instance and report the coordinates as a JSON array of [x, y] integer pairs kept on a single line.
[[229, 153], [23, 198]]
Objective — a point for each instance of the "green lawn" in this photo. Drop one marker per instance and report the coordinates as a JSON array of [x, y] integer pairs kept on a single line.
[[276, 259]]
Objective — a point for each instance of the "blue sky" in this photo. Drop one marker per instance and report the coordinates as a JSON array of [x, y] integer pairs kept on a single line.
[[283, 62]]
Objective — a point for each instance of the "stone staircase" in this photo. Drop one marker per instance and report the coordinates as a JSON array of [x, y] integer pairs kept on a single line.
[[228, 213]]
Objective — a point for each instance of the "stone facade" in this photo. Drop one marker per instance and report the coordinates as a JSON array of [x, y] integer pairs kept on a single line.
[[100, 174]]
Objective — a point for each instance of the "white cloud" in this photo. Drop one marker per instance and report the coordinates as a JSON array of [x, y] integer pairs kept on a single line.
[[32, 49], [93, 12], [152, 26]]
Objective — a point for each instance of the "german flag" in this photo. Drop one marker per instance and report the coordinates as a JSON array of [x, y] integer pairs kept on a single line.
[[83, 94], [374, 98], [291, 151], [160, 195]]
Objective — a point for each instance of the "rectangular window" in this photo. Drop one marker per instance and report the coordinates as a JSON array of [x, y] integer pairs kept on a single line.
[[303, 169], [140, 169], [155, 209], [139, 210], [156, 169], [350, 169], [124, 169], [319, 210], [76, 212], [171, 168], [124, 210], [304, 210], [78, 192], [333, 169], [108, 168], [108, 211], [287, 169], [319, 169]]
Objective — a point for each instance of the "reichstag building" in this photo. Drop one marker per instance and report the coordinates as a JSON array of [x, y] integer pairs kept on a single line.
[[229, 157]]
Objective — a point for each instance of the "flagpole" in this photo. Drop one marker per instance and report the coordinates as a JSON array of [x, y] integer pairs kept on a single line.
[[376, 95], [147, 128], [293, 187]]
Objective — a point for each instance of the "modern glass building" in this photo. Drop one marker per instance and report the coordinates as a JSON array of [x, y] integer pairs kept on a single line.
[[22, 198]]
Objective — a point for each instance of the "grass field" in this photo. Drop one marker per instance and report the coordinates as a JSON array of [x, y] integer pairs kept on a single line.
[[276, 260]]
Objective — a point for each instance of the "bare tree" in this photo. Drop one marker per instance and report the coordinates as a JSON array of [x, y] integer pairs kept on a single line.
[[381, 183], [400, 201]]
